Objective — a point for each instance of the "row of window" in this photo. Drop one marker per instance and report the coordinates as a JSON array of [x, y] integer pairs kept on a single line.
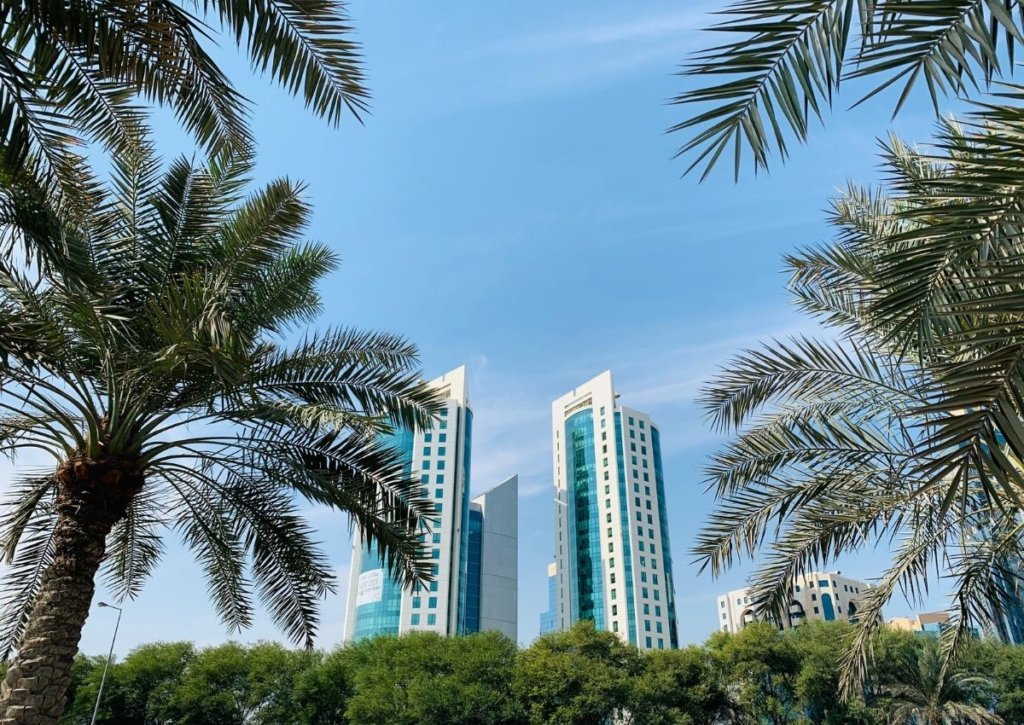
[[441, 450], [431, 602], [429, 437], [431, 619], [823, 584]]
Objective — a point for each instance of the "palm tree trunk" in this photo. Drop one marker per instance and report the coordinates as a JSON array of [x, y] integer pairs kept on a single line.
[[90, 500]]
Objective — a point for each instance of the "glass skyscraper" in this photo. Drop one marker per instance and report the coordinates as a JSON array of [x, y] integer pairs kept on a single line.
[[612, 551], [461, 542]]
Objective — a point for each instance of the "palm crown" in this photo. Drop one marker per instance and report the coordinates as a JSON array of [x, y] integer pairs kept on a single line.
[[903, 429], [82, 70], [785, 61], [160, 383]]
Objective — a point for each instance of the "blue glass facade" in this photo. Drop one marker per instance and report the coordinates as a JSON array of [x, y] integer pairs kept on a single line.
[[586, 579], [461, 586], [549, 618], [666, 547], [627, 549], [470, 602], [382, 617]]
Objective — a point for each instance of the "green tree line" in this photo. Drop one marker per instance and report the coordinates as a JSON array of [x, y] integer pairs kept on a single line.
[[760, 675]]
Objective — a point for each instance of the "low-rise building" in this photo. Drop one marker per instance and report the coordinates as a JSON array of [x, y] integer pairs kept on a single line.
[[824, 596]]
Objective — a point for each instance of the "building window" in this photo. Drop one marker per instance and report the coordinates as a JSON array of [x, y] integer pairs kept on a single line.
[[648, 642], [439, 478], [432, 618], [657, 627], [442, 437], [437, 508], [415, 619], [426, 450], [427, 437], [608, 517], [655, 578], [615, 626], [441, 450], [723, 615], [431, 602], [641, 424], [615, 609], [823, 583], [437, 538], [435, 553], [657, 610], [634, 459], [814, 597], [647, 608], [426, 465], [643, 450], [661, 643], [798, 587], [434, 570], [646, 476], [632, 433], [631, 421], [657, 595], [440, 465], [425, 478], [444, 425], [416, 602], [815, 610], [438, 493], [632, 447], [647, 625], [722, 605], [613, 594], [611, 546], [433, 585]]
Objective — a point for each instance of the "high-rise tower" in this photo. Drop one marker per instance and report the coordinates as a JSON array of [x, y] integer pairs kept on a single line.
[[472, 545], [612, 549]]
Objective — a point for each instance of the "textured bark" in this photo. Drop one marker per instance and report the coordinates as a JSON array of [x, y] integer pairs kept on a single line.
[[92, 496]]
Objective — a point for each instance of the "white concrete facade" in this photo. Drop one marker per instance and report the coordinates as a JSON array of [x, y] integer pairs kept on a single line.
[[499, 558], [824, 596], [612, 546]]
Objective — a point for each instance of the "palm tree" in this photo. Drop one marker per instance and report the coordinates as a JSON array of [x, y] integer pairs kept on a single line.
[[903, 428], [930, 694], [84, 70], [166, 387], [785, 61]]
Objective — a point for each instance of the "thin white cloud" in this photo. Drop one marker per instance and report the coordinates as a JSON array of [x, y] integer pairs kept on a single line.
[[629, 30]]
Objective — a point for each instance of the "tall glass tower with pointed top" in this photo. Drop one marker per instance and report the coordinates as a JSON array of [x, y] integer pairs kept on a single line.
[[612, 549], [471, 543]]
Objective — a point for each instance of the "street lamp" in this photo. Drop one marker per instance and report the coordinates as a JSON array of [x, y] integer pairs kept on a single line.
[[106, 665]]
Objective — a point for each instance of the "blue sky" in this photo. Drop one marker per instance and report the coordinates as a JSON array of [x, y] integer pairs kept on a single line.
[[511, 204]]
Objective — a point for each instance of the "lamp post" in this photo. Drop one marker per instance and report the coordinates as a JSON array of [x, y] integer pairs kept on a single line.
[[106, 665]]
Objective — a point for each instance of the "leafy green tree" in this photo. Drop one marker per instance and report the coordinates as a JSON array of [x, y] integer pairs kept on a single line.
[[762, 665], [85, 70], [817, 645], [168, 398], [233, 685], [679, 686], [580, 676], [425, 679], [1007, 671], [784, 62], [323, 690], [135, 689]]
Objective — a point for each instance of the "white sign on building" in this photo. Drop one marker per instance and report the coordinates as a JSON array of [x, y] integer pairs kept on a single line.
[[371, 587]]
